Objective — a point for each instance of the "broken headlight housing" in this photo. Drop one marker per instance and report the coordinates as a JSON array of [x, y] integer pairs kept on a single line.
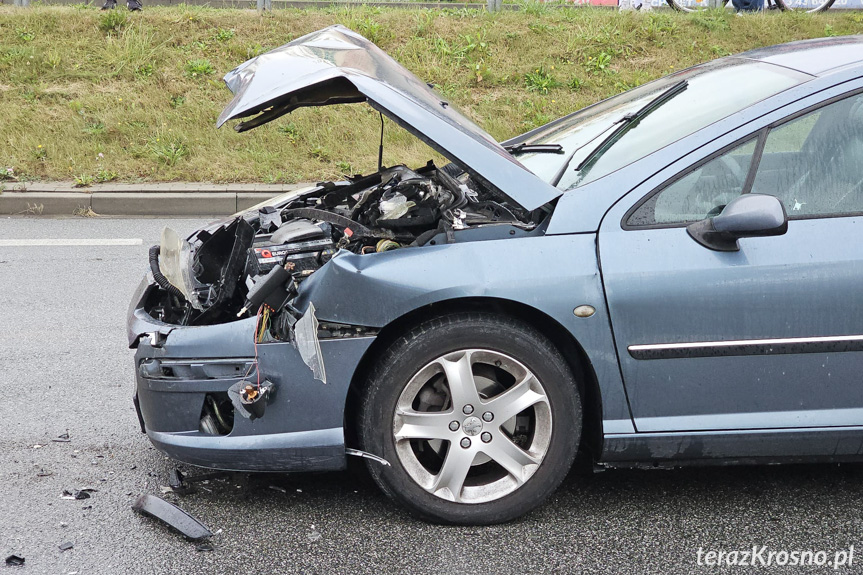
[[175, 253]]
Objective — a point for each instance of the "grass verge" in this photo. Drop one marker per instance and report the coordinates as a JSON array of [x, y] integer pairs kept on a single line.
[[93, 97]]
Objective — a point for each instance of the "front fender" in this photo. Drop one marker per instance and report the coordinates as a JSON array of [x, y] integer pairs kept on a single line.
[[553, 274]]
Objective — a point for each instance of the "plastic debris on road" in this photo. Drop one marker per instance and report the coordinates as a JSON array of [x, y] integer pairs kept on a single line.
[[172, 515]]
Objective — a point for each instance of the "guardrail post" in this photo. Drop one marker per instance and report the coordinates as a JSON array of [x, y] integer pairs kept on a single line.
[[22, 3], [494, 5], [265, 5]]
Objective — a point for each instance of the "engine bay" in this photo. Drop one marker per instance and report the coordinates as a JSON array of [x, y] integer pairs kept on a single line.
[[258, 259]]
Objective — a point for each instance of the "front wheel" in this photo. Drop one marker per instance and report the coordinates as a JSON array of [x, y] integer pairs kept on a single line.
[[479, 416]]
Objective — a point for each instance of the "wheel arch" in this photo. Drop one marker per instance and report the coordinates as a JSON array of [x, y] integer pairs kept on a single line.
[[576, 358]]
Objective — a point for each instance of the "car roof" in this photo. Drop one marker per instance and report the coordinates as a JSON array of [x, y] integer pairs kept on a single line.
[[817, 57]]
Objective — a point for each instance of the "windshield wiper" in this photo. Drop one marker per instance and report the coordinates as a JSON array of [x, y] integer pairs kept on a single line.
[[631, 120], [534, 149], [622, 125], [562, 170]]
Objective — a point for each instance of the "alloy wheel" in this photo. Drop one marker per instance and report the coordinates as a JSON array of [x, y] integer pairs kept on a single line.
[[472, 426]]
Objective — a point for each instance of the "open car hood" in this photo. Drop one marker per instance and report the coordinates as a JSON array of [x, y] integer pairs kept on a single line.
[[337, 66]]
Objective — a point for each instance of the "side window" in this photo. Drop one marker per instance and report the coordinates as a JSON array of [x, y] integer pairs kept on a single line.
[[699, 194], [814, 163]]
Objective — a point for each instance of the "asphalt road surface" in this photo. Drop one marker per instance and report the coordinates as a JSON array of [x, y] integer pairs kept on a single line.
[[65, 368]]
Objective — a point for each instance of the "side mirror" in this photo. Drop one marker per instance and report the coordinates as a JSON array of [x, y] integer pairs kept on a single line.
[[746, 216]]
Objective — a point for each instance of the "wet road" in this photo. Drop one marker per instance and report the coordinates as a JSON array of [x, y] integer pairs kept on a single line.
[[64, 367]]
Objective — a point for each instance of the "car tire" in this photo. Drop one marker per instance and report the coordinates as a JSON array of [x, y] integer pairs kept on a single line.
[[409, 394]]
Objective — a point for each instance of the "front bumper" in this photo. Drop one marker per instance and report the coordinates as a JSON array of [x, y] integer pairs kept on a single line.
[[177, 366]]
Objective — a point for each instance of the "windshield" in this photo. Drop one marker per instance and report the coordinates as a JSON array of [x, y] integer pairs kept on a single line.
[[714, 91]]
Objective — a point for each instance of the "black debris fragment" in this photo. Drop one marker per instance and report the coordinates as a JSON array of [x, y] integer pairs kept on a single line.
[[14, 561], [182, 484], [172, 515], [66, 546], [78, 493], [74, 494], [63, 438], [204, 546], [175, 478]]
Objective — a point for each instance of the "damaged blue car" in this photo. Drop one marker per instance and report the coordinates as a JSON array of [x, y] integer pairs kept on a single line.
[[670, 276]]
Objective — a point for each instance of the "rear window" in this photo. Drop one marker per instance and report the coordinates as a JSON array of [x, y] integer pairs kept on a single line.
[[715, 91]]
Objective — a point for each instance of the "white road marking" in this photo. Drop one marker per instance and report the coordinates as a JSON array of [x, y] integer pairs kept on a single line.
[[50, 242]]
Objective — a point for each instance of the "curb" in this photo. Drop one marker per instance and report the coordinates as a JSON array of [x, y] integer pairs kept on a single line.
[[170, 199]]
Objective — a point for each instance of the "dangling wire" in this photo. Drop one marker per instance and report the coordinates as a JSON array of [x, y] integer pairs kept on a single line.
[[258, 335], [263, 324]]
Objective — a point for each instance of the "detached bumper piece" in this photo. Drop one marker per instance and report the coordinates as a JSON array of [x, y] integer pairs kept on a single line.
[[190, 527]]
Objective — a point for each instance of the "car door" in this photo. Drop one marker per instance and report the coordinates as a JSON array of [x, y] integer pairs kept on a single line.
[[767, 337]]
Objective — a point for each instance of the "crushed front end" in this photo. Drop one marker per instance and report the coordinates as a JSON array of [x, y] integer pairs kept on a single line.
[[230, 374], [186, 377]]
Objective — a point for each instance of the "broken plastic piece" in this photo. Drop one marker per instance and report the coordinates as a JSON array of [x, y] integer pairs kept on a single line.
[[205, 546], [172, 515], [66, 546], [395, 207], [249, 400], [301, 230], [306, 338], [254, 399], [182, 484], [270, 290], [270, 218], [175, 478], [174, 252], [77, 494], [14, 561]]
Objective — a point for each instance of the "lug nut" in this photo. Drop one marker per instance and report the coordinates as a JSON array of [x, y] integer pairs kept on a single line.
[[454, 425], [486, 436], [465, 442], [468, 409], [487, 416]]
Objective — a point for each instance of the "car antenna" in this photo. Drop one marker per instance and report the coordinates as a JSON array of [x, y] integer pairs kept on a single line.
[[381, 148]]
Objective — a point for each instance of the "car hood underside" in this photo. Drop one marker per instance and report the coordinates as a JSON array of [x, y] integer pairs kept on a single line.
[[337, 66]]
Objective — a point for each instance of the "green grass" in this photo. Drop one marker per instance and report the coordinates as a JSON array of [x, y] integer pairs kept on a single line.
[[91, 96]]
